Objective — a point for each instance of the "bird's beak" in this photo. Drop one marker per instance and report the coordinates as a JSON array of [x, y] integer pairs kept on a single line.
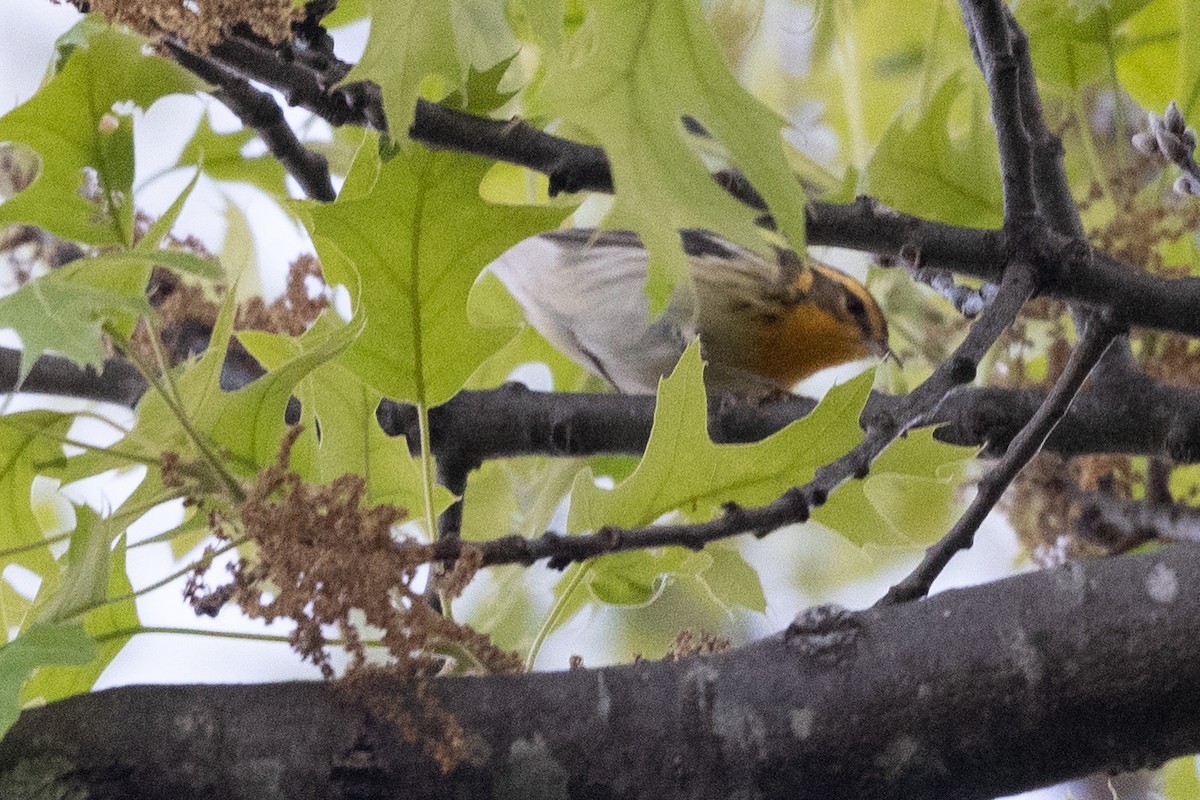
[[882, 351]]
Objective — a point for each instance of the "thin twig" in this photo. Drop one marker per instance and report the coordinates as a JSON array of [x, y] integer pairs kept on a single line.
[[1097, 335], [988, 28], [257, 110]]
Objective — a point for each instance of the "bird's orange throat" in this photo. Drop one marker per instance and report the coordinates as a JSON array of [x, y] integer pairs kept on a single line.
[[804, 340]]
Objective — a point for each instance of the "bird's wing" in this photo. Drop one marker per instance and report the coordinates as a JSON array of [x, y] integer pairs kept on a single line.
[[584, 293]]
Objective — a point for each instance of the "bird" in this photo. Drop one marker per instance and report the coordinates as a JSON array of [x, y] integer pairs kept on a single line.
[[762, 328]]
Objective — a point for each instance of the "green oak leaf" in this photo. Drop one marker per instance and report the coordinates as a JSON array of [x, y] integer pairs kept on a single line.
[[910, 497], [627, 77], [161, 227], [482, 36], [409, 40], [84, 580], [538, 21], [868, 63], [1160, 57], [1074, 46], [683, 470], [66, 310], [337, 402], [28, 442], [638, 577], [243, 428], [37, 646], [481, 92], [246, 425], [1085, 8], [730, 580], [490, 305], [921, 169], [14, 606], [111, 625], [72, 126], [58, 314], [409, 251]]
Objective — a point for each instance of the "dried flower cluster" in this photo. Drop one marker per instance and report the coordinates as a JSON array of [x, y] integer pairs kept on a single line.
[[294, 310], [325, 560], [201, 25]]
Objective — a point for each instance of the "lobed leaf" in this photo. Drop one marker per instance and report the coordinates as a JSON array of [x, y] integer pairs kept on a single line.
[[409, 251], [40, 645], [72, 125]]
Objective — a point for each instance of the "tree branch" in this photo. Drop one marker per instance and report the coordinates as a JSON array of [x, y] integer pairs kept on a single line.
[[1033, 680], [988, 29], [1098, 334], [259, 112], [512, 421]]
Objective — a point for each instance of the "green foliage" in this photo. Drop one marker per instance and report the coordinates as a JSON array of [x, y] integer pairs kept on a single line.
[[922, 168], [28, 444], [1180, 779], [870, 63], [1158, 61], [1074, 46], [409, 251], [73, 126], [410, 39], [43, 644], [684, 473], [66, 311], [336, 402], [667, 479], [627, 77], [111, 622], [65, 316], [246, 425]]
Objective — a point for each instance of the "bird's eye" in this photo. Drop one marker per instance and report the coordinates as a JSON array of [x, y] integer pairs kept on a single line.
[[854, 305]]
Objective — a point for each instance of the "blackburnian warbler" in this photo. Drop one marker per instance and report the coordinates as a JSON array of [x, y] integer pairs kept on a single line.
[[759, 332]]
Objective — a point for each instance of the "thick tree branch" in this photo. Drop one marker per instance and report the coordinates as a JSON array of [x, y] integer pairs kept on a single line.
[[1120, 525], [1126, 413], [1031, 680]]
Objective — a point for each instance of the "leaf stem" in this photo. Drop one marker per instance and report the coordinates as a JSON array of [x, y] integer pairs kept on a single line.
[[553, 619], [25, 548], [251, 637], [67, 440], [170, 395], [428, 480]]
